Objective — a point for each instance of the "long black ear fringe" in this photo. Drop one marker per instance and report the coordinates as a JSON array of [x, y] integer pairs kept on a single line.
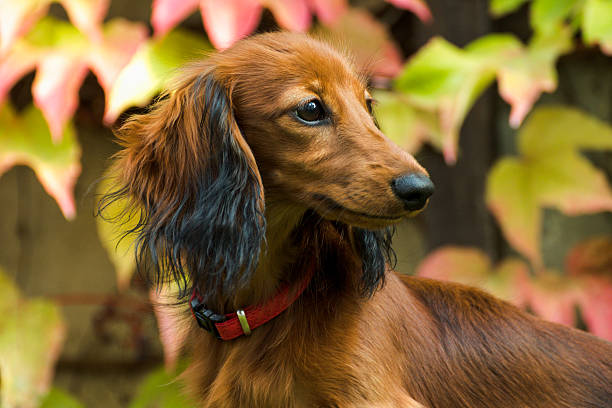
[[210, 237], [374, 249]]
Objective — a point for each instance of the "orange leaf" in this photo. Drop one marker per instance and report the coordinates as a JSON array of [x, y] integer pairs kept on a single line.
[[167, 14], [228, 21]]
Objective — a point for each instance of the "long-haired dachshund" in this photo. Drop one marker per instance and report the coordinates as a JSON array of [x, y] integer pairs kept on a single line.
[[267, 192]]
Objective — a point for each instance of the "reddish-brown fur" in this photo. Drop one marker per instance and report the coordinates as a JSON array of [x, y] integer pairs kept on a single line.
[[414, 342]]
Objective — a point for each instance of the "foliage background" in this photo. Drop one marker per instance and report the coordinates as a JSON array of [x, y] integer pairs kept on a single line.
[[105, 329]]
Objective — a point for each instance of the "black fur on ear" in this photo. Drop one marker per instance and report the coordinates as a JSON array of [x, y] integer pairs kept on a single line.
[[374, 249], [188, 170]]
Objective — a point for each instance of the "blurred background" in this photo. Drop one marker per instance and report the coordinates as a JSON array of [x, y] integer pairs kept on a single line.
[[507, 103]]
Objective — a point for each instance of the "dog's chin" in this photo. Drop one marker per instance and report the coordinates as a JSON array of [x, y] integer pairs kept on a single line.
[[365, 221]]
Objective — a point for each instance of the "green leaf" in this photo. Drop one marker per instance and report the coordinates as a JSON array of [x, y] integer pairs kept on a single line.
[[116, 219], [501, 7], [549, 15], [404, 124], [31, 336], [160, 390], [549, 173], [57, 398], [150, 68], [597, 24], [25, 139], [445, 80]]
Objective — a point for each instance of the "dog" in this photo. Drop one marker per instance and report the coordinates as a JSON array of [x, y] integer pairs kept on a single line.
[[267, 192]]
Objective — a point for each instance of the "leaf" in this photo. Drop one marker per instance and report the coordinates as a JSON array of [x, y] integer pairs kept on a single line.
[[16, 18], [120, 40], [57, 398], [168, 319], [445, 80], [160, 390], [501, 7], [554, 297], [293, 15], [115, 221], [166, 14], [596, 306], [549, 173], [31, 336], [418, 7], [592, 257], [528, 72], [26, 140], [228, 21], [367, 40], [548, 15], [471, 266], [149, 70], [405, 125], [329, 11], [597, 24]]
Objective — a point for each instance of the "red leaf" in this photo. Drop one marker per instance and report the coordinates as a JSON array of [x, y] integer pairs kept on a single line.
[[228, 21], [107, 58], [16, 18], [87, 15], [596, 306], [167, 14], [56, 89], [13, 67], [554, 297], [418, 7], [328, 11], [293, 15]]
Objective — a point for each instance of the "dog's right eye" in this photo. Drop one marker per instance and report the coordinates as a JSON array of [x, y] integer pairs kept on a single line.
[[311, 112]]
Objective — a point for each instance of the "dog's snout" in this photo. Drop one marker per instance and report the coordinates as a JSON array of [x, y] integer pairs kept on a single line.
[[413, 189]]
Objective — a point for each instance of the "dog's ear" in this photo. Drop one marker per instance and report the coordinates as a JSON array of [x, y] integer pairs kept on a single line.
[[188, 169]]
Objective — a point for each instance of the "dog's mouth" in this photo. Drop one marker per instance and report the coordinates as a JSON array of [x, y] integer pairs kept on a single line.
[[330, 208]]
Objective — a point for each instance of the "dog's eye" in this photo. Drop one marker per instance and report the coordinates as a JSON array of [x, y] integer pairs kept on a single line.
[[369, 105], [311, 111]]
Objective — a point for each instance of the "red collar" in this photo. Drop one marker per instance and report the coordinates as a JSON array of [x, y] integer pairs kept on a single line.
[[241, 322]]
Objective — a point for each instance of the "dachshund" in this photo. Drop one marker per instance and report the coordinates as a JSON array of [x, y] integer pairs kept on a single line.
[[266, 191]]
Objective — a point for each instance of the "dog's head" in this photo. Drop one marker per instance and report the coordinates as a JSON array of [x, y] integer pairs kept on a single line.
[[280, 114]]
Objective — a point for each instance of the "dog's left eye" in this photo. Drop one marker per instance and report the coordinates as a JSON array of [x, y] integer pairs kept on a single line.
[[312, 111], [369, 105]]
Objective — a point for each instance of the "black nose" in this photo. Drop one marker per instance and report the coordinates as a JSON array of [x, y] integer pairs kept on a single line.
[[413, 189]]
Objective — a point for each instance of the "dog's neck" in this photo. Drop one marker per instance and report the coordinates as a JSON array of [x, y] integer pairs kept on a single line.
[[278, 253]]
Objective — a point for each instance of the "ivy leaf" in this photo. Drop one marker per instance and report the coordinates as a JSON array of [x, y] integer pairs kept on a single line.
[[368, 41], [113, 224], [168, 320], [25, 139], [502, 7], [418, 7], [150, 68], [166, 14], [549, 173], [329, 11], [120, 40], [160, 389], [548, 15], [525, 73], [407, 126], [57, 398], [31, 336], [445, 80], [592, 257], [16, 17], [228, 21], [471, 266], [554, 297], [293, 15], [597, 24]]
